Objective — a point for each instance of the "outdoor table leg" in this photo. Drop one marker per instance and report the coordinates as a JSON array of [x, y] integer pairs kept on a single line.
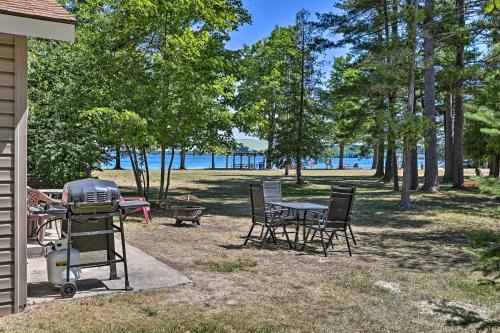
[[304, 226], [297, 229]]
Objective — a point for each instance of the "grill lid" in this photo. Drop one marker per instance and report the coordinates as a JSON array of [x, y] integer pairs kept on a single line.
[[90, 191]]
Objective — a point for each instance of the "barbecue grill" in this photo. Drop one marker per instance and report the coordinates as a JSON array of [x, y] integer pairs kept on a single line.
[[92, 204]]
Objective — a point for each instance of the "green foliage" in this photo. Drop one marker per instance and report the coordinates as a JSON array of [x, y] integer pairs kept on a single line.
[[482, 133], [489, 185], [60, 146], [347, 106], [491, 5], [278, 97], [140, 73], [484, 245]]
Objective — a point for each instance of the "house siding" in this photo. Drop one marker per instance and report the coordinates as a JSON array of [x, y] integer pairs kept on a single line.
[[13, 103]]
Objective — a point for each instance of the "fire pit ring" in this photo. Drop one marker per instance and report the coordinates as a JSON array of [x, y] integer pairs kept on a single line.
[[183, 213], [187, 211]]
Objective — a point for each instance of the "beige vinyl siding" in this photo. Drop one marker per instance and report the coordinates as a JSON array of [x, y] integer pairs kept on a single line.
[[7, 172]]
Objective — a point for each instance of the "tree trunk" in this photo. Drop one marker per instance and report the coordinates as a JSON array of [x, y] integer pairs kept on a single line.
[[477, 169], [227, 161], [389, 169], [162, 173], [431, 159], [374, 158], [448, 138], [389, 44], [414, 168], [213, 161], [458, 136], [135, 168], [392, 97], [341, 156], [270, 139], [167, 186], [118, 158], [395, 175], [414, 153], [287, 167], [405, 202], [298, 152], [182, 159], [495, 166], [409, 140], [380, 159], [269, 153], [496, 171], [146, 169]]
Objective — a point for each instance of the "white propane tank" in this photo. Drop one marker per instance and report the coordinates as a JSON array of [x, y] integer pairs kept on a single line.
[[57, 262]]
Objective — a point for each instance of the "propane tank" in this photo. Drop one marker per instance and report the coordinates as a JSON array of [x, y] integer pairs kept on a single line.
[[57, 262]]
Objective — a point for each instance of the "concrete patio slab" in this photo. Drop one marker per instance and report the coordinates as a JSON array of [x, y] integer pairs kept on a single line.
[[145, 272]]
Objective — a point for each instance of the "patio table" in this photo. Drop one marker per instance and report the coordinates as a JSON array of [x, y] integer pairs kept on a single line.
[[297, 207]]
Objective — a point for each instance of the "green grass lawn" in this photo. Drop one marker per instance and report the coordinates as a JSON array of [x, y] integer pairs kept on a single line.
[[419, 255]]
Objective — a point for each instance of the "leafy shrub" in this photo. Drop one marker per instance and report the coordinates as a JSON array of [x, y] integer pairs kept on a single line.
[[489, 185], [484, 245]]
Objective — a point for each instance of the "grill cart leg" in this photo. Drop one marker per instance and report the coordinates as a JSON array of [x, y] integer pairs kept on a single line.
[[124, 254], [68, 249], [113, 274], [68, 290]]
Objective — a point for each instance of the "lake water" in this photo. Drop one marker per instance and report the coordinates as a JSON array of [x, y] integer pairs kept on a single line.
[[205, 162]]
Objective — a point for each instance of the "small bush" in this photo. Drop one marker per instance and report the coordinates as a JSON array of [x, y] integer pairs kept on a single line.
[[226, 266], [489, 185], [484, 245]]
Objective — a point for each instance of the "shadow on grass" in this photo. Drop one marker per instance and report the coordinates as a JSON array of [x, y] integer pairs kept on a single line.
[[423, 251], [402, 237], [463, 317]]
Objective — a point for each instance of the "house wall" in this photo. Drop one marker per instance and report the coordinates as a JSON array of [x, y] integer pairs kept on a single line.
[[13, 137]]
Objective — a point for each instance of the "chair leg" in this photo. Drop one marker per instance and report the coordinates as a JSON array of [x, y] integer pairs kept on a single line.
[[262, 231], [287, 238], [347, 241], [147, 214], [330, 239], [323, 242], [313, 235], [352, 235], [249, 233], [306, 238], [264, 239], [273, 235]]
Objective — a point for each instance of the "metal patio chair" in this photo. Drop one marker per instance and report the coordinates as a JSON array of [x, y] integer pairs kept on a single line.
[[269, 219], [272, 190], [336, 220]]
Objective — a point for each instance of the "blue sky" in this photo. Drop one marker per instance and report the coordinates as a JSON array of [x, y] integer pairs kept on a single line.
[[266, 14]]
